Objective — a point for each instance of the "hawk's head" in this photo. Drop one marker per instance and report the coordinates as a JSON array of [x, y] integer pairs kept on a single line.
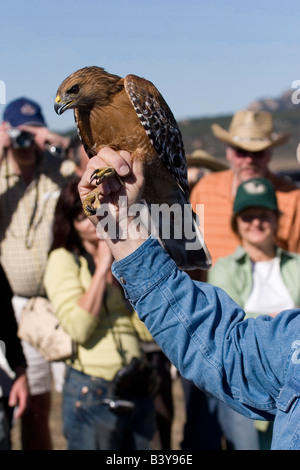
[[85, 88]]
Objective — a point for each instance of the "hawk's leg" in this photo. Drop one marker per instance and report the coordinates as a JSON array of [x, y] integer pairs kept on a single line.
[[91, 202]]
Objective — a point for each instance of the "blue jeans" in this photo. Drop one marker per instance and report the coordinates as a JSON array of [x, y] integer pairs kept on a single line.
[[90, 424], [240, 432]]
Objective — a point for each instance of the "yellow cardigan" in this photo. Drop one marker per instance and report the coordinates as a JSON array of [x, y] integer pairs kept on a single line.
[[65, 282]]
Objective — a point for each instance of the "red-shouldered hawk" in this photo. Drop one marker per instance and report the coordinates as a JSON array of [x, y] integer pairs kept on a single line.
[[130, 114]]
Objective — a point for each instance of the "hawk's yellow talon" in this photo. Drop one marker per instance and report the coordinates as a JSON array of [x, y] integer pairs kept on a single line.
[[91, 202], [102, 173]]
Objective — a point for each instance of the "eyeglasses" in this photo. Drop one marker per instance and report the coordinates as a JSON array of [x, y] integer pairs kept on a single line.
[[246, 153]]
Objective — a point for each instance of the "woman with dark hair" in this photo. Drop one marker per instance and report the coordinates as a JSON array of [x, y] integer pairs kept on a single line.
[[91, 307]]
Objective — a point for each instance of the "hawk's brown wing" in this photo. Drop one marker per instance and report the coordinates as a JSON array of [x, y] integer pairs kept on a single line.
[[160, 126]]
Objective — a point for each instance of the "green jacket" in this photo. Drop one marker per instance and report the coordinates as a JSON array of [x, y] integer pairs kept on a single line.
[[233, 274]]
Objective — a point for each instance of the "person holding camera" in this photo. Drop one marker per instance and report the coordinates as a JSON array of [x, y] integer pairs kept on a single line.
[[30, 182], [108, 389]]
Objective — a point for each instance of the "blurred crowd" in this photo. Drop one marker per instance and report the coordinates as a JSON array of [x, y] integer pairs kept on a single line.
[[50, 249]]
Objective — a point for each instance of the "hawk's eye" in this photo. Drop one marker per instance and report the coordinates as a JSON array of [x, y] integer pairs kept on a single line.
[[74, 90]]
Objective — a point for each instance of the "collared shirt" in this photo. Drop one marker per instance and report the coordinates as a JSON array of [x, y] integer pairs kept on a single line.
[[252, 364], [233, 273], [26, 215], [214, 191]]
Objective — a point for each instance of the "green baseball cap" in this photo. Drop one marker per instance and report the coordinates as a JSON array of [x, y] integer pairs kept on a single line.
[[256, 192]]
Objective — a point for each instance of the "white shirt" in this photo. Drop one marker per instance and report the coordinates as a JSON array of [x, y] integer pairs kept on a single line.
[[269, 294]]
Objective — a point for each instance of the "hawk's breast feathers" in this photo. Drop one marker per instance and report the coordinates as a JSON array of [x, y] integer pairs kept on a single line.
[[131, 114]]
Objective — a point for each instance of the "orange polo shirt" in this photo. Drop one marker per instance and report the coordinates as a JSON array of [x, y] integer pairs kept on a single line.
[[215, 192]]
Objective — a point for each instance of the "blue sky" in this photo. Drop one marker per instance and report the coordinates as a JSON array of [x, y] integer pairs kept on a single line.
[[205, 57]]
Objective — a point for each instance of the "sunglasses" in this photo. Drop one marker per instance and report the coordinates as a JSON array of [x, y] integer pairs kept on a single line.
[[263, 216], [246, 153]]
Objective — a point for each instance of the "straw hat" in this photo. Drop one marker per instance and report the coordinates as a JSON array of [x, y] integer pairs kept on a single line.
[[250, 130], [200, 158]]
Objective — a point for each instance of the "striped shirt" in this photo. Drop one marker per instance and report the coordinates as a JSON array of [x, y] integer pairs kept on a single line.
[[26, 214]]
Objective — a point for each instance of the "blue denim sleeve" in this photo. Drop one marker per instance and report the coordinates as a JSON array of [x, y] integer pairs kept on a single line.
[[204, 334]]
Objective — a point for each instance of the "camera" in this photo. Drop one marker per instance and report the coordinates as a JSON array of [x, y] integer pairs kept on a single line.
[[20, 139], [139, 378]]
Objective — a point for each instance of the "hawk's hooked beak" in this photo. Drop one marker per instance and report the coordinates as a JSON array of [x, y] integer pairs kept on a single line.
[[60, 106]]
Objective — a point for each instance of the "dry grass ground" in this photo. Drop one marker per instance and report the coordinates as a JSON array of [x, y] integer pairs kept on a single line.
[[59, 442]]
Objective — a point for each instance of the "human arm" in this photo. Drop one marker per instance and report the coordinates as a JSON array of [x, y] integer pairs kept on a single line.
[[204, 334], [19, 393], [43, 137], [132, 174], [92, 298], [198, 326]]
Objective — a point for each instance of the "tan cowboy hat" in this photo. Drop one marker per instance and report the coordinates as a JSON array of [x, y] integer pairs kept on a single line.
[[250, 130], [201, 158]]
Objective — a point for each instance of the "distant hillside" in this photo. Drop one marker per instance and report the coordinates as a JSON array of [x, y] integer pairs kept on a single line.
[[197, 133], [283, 103]]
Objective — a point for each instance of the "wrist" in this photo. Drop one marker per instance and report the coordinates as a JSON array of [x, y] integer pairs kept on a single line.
[[124, 229], [19, 371], [101, 270], [121, 248], [127, 224]]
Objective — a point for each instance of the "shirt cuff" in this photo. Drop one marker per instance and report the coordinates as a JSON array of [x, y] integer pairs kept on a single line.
[[140, 271]]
